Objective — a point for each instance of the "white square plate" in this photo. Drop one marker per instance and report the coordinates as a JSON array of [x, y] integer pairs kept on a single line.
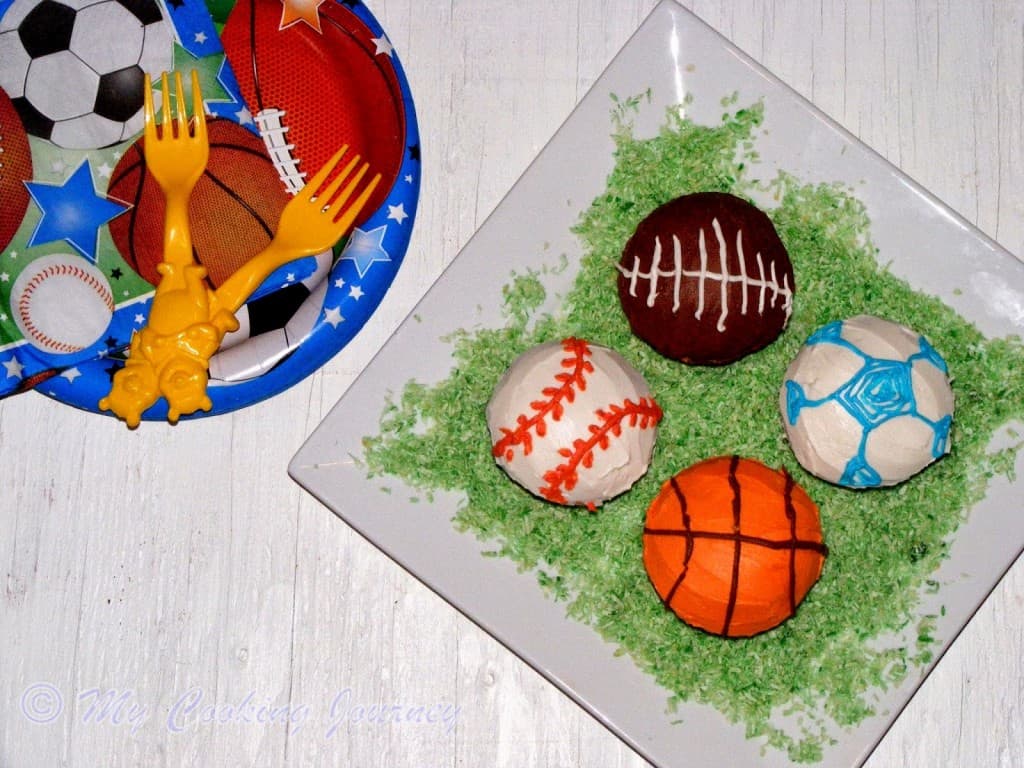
[[673, 53]]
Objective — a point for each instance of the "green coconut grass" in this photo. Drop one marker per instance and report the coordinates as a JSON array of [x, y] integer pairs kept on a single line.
[[795, 687]]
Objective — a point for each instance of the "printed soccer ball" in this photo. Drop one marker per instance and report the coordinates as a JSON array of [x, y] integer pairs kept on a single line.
[[74, 68], [866, 403], [273, 325]]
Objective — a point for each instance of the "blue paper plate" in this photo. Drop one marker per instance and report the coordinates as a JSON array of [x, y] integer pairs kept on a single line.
[[72, 292]]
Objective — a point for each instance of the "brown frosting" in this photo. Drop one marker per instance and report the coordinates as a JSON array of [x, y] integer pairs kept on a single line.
[[706, 280]]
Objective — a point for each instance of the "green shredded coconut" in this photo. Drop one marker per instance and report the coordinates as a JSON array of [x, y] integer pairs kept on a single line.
[[858, 632]]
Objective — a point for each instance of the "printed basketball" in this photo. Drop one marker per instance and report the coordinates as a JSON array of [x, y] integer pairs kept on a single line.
[[233, 211], [705, 279], [304, 105], [732, 547], [15, 168]]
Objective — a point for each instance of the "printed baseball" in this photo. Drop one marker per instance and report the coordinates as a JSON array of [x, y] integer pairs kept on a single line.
[[573, 423], [62, 304]]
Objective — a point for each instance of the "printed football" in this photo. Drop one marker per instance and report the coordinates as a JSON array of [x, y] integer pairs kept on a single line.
[[74, 68], [867, 402], [573, 423], [706, 280], [15, 170], [305, 106]]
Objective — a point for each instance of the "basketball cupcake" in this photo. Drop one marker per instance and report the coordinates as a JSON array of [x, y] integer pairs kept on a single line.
[[732, 547]]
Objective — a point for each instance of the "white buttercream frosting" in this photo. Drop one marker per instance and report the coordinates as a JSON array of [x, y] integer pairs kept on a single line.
[[573, 422], [867, 402]]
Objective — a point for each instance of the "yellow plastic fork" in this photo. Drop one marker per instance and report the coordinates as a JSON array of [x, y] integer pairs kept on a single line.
[[313, 220], [176, 157], [170, 355]]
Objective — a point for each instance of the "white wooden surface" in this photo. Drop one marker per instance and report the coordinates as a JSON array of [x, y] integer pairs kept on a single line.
[[171, 564]]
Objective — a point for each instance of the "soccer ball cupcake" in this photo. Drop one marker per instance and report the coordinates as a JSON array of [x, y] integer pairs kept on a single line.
[[867, 402]]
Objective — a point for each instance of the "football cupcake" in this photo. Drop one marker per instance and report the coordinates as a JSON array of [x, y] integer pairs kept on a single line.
[[706, 280]]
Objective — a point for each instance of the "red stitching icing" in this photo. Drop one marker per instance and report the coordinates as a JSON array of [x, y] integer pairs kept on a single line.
[[575, 366], [57, 270], [644, 414]]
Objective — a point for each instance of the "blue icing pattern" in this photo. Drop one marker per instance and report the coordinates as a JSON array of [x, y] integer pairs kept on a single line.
[[879, 391], [796, 400], [928, 353], [941, 443], [859, 474], [831, 332]]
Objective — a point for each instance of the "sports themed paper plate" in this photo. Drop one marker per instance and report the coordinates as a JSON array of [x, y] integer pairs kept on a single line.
[[286, 83]]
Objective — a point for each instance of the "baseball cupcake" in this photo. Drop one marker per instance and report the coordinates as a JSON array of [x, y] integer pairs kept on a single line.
[[573, 423]]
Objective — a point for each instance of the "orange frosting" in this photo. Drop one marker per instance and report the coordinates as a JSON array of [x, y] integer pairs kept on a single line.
[[732, 547]]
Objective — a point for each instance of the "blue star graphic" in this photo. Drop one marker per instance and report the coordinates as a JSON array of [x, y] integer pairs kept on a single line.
[[72, 211], [366, 248], [232, 107]]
